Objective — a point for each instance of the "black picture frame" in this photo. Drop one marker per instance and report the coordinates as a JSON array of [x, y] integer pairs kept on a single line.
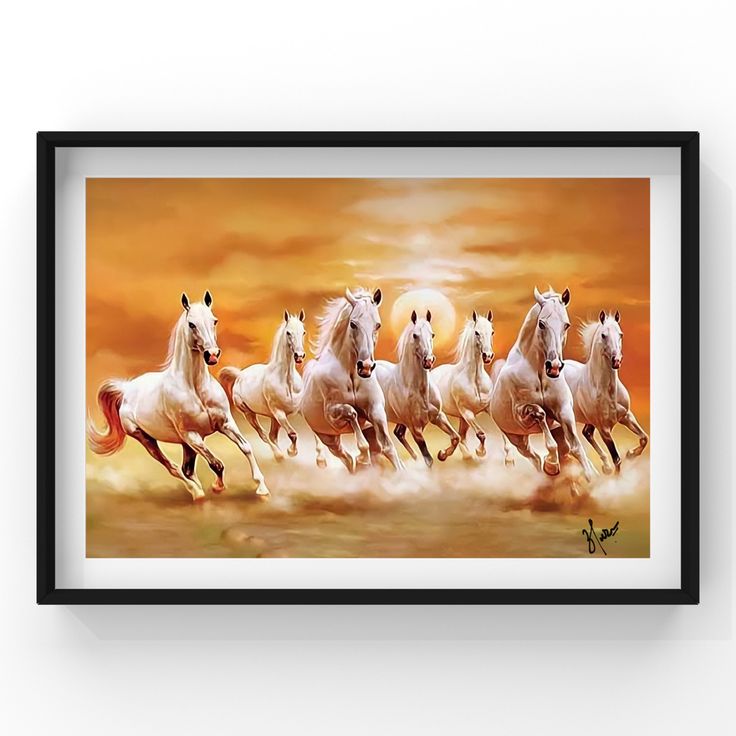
[[47, 590]]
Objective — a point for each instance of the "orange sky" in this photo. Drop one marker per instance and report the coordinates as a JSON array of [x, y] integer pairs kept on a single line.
[[265, 245]]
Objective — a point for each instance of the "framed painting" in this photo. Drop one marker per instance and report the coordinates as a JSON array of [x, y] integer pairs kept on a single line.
[[367, 368]]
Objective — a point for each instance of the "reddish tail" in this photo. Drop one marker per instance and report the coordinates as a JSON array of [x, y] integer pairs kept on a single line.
[[227, 377], [109, 397]]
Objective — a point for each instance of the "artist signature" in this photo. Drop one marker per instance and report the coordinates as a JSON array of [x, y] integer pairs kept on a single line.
[[595, 540]]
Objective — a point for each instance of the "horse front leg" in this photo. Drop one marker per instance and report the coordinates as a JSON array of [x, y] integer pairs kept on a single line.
[[534, 415], [283, 421], [231, 431], [418, 436], [521, 443], [333, 443], [400, 433], [340, 414], [440, 420], [378, 419], [611, 445], [254, 422], [629, 421], [469, 416]]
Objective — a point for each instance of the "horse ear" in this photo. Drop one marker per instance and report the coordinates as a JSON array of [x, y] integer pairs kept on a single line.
[[414, 316], [185, 301], [538, 298], [566, 297], [377, 297], [208, 298], [286, 315], [429, 316], [602, 316], [490, 315], [475, 316], [617, 316], [349, 296], [302, 316]]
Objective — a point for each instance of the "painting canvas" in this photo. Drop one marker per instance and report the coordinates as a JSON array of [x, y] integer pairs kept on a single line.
[[358, 367]]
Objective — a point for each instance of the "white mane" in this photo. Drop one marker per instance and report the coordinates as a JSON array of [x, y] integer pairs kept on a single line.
[[466, 334], [171, 350], [275, 348], [334, 320]]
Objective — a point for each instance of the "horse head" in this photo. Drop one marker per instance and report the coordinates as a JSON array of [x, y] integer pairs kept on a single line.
[[551, 330], [364, 323], [201, 331], [611, 338], [483, 334], [294, 333], [422, 339]]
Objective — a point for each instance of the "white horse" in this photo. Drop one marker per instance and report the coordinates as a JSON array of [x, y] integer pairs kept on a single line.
[[341, 393], [271, 389], [601, 399], [465, 387], [412, 398], [182, 404], [529, 396]]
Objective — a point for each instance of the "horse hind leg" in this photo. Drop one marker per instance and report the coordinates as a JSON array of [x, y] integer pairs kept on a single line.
[[284, 422], [462, 431], [192, 484], [341, 414], [422, 445], [195, 442], [334, 444], [400, 433], [440, 420], [588, 433], [252, 418], [508, 453], [320, 450]]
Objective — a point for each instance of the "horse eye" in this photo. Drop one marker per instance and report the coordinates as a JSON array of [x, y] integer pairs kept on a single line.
[[416, 337], [216, 321], [353, 326], [542, 326], [378, 326], [604, 336], [433, 335], [192, 326], [566, 327], [288, 334], [477, 334]]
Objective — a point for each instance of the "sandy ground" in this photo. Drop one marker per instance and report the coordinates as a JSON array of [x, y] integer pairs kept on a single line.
[[476, 508]]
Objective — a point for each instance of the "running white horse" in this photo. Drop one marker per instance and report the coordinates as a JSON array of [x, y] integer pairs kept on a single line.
[[529, 396], [341, 393], [412, 398], [271, 389], [465, 387], [182, 404], [601, 399]]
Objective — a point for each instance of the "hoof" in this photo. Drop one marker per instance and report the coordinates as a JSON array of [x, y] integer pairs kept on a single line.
[[199, 500], [442, 456], [480, 451], [217, 489], [278, 458], [428, 462], [293, 452], [618, 468], [263, 491], [321, 462], [551, 468], [607, 469], [509, 462]]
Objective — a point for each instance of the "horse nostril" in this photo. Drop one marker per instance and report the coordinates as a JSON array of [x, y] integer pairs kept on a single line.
[[548, 364]]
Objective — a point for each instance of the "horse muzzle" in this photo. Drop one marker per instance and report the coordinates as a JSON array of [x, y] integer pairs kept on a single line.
[[365, 368], [553, 368], [211, 357], [616, 363], [488, 358], [428, 362], [299, 358]]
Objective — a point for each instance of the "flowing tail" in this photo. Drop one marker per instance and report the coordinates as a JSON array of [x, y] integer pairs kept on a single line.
[[109, 397], [227, 377]]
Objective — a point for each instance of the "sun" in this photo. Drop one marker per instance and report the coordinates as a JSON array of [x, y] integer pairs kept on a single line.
[[443, 313]]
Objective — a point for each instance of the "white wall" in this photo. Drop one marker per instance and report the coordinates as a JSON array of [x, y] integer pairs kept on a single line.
[[449, 65]]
